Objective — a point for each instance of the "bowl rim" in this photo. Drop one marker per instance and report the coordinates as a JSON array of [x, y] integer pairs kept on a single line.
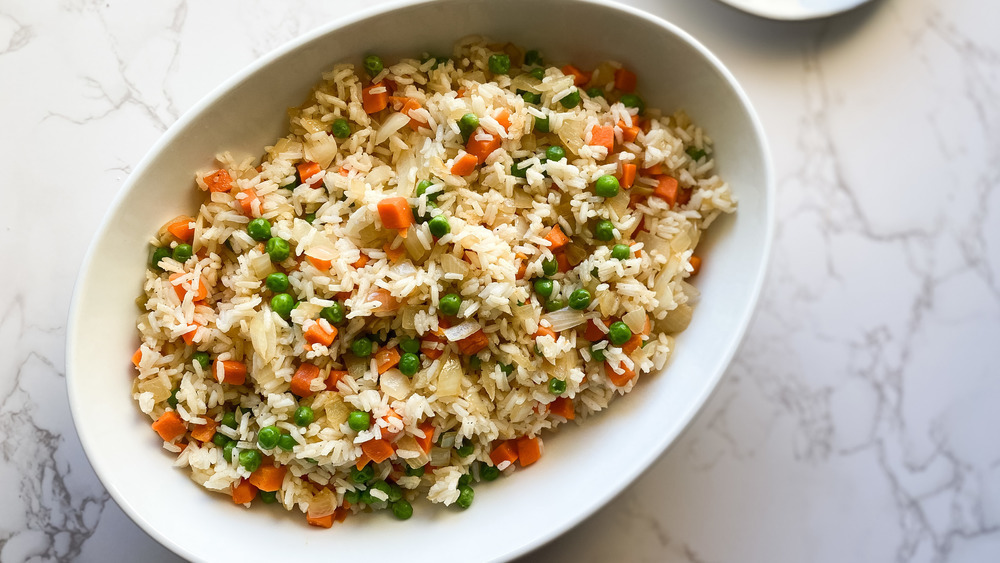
[[771, 14], [625, 478]]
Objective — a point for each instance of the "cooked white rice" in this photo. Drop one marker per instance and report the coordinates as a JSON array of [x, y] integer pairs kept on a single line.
[[498, 224]]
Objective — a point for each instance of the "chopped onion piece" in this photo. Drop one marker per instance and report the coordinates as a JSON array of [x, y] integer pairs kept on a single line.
[[461, 331], [449, 381], [636, 320], [322, 504], [393, 123], [676, 320], [356, 366], [564, 319], [395, 384]]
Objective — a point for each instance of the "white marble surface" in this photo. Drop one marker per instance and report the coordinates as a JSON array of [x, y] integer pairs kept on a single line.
[[859, 421]]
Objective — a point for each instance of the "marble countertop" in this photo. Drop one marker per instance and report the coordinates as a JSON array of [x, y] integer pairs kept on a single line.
[[856, 423]]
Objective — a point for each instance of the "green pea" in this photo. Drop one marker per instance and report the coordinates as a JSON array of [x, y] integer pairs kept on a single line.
[[363, 475], [250, 460], [334, 314], [532, 57], [489, 473], [544, 287], [633, 101], [362, 347], [507, 369], [439, 226], [438, 61], [268, 497], [395, 492], [402, 509], [427, 214], [604, 230], [450, 304], [542, 124], [220, 439], [595, 272], [571, 100], [172, 399], [466, 449], [309, 218], [182, 252], [475, 363], [409, 364], [229, 419], [517, 171], [553, 305], [550, 267], [159, 254], [595, 92], [530, 97], [367, 498], [341, 128], [465, 496], [557, 386], [538, 73], [619, 333], [579, 299], [352, 496], [381, 486], [409, 345], [695, 153], [304, 416], [278, 249], [259, 229], [227, 451], [555, 152], [620, 252], [468, 124], [277, 282], [422, 188], [414, 471], [373, 64], [286, 442], [359, 420], [597, 353], [202, 359], [283, 304], [293, 184], [499, 63], [267, 437], [465, 479], [607, 186]]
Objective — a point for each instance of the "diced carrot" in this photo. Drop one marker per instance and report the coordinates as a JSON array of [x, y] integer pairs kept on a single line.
[[646, 326], [169, 426], [204, 432], [333, 379], [319, 262], [181, 228], [603, 136], [482, 144], [529, 450], [632, 345], [654, 170], [307, 170], [375, 102], [503, 118], [394, 254], [189, 335], [545, 331], [625, 80], [302, 380], [201, 290], [666, 189], [344, 295], [388, 434], [268, 478], [318, 334], [247, 198], [340, 514], [320, 521], [563, 261], [684, 196], [395, 213], [465, 165], [473, 344], [695, 265], [386, 359], [593, 333], [524, 265], [360, 263], [506, 451], [362, 461], [460, 93], [387, 303], [619, 379], [579, 77], [557, 239], [626, 174], [563, 406], [137, 357], [230, 371], [427, 441], [218, 181], [429, 346], [343, 171], [629, 132], [378, 450], [244, 492]]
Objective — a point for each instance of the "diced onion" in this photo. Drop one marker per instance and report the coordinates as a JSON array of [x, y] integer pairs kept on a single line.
[[453, 265], [636, 320], [395, 384], [321, 149], [261, 266], [564, 319], [449, 381], [393, 123], [676, 320], [461, 331], [322, 504], [356, 366], [440, 457]]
